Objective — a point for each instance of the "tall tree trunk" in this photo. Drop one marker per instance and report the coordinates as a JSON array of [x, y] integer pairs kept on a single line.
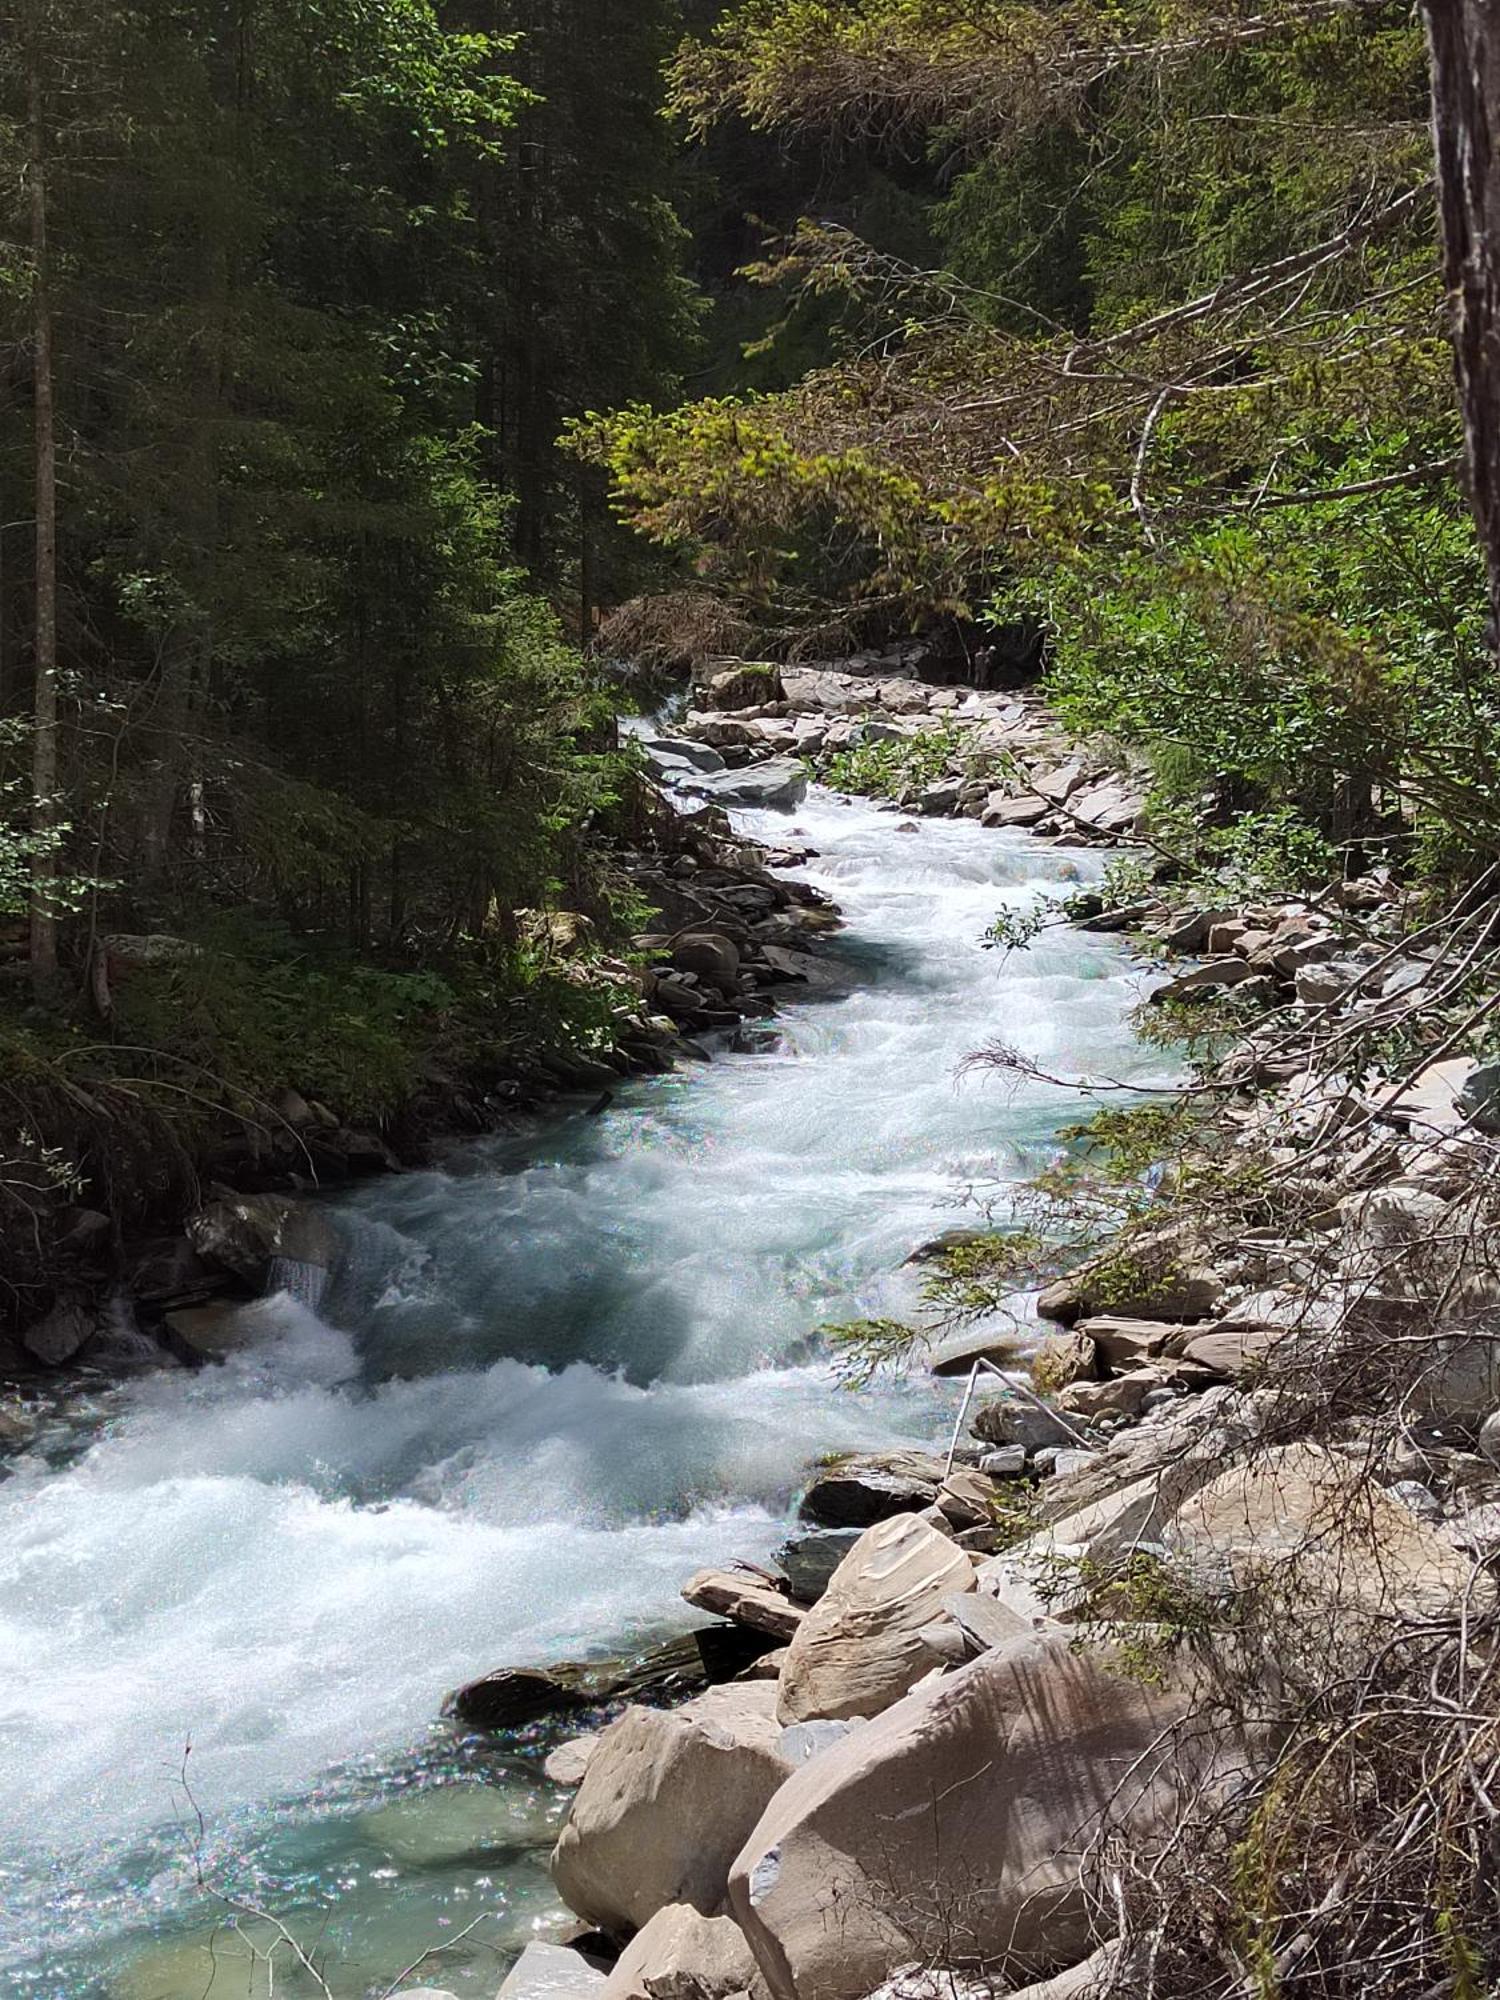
[[44, 762], [1464, 39]]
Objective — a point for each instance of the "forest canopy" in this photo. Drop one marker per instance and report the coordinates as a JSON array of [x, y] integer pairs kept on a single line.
[[1178, 382]]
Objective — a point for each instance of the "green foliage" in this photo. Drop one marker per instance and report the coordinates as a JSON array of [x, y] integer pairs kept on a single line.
[[863, 1347], [898, 768], [247, 1014]]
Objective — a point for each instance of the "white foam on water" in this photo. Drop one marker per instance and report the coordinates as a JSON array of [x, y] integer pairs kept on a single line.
[[554, 1381]]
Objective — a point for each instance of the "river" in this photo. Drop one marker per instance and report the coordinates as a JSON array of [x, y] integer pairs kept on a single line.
[[555, 1378]]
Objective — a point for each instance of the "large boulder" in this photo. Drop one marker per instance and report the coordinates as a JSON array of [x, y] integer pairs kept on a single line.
[[668, 1799], [710, 954], [683, 1955], [862, 1645], [1314, 1524], [1165, 1274], [251, 1234], [750, 684], [960, 1821]]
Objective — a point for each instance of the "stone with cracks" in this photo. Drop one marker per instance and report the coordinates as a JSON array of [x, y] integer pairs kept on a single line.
[[778, 782], [862, 1645]]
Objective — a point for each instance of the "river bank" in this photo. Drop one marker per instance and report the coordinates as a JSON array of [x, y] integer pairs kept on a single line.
[[139, 1273]]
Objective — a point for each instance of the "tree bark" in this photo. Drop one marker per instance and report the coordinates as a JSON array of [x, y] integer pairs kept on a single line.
[[1464, 40], [44, 761]]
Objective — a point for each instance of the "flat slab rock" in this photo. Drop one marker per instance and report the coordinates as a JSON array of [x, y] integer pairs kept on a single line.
[[744, 1600]]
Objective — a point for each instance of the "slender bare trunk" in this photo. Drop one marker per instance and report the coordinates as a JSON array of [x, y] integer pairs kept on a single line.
[[1464, 40], [44, 766]]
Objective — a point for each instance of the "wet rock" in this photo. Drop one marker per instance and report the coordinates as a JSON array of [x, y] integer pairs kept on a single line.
[[247, 1234], [61, 1334], [857, 1491], [779, 782], [679, 752], [683, 1666], [809, 1560], [206, 1333], [711, 955], [1002, 811], [861, 1645]]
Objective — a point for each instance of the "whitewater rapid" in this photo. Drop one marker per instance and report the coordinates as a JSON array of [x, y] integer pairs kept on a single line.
[[554, 1379]]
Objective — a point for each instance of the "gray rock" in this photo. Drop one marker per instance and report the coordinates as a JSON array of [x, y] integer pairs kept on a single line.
[[941, 798], [1421, 1499], [684, 750], [57, 1337], [550, 1972], [779, 783], [1479, 1099], [1009, 1462], [1072, 1460], [711, 955], [809, 1560], [857, 1491], [1203, 980], [1012, 1420], [251, 1233]]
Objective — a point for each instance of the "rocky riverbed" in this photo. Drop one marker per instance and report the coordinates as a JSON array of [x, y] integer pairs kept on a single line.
[[928, 1641], [904, 1793]]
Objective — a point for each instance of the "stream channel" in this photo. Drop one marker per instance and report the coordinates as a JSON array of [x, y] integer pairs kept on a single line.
[[553, 1379]]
